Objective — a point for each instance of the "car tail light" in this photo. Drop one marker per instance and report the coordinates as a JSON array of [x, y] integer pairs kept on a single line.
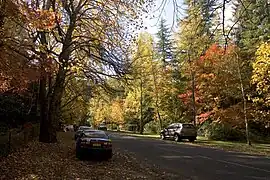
[[108, 144]]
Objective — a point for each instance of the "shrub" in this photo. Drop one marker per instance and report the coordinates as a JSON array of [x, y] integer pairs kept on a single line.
[[152, 127], [221, 131]]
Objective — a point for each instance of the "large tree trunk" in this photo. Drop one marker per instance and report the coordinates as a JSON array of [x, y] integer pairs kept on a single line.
[[44, 135], [54, 106], [50, 121]]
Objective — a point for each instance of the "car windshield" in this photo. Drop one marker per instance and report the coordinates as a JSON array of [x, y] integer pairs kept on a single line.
[[188, 126], [95, 135]]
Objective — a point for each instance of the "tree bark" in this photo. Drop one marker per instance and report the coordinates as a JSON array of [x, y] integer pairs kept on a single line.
[[50, 102], [157, 96], [44, 124], [141, 102], [193, 97], [54, 106], [244, 100]]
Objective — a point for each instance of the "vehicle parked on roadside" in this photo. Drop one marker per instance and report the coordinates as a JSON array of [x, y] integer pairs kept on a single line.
[[94, 144], [179, 131], [68, 128], [102, 127], [84, 127], [80, 130]]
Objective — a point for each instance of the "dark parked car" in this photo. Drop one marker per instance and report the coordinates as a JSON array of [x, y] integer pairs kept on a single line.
[[80, 130], [102, 127], [178, 131], [94, 144]]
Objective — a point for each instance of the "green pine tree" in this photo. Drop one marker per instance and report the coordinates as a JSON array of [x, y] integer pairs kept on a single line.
[[164, 43], [253, 24]]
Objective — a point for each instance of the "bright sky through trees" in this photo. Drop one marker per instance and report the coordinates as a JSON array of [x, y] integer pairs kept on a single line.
[[167, 13]]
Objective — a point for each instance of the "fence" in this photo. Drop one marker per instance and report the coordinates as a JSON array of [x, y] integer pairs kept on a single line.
[[12, 139]]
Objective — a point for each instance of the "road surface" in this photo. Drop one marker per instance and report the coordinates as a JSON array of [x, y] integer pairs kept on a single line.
[[192, 162]]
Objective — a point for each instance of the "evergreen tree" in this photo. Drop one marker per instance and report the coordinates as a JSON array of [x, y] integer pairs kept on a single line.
[[164, 44], [253, 24], [207, 10]]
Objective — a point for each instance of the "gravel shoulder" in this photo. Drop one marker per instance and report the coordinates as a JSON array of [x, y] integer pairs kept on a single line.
[[58, 161]]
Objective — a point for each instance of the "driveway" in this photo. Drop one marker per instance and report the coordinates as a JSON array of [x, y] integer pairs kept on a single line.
[[193, 162]]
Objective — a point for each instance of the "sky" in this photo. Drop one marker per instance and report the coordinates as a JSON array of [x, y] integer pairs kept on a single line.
[[168, 15], [152, 23]]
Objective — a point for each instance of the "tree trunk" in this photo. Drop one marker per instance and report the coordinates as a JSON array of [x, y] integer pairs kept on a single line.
[[193, 97], [44, 124], [51, 106], [141, 108], [54, 106], [244, 100], [157, 96]]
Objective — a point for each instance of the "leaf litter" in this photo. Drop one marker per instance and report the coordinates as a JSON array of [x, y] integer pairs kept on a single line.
[[58, 161]]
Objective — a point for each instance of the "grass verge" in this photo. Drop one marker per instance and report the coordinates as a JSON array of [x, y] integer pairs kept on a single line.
[[255, 149]]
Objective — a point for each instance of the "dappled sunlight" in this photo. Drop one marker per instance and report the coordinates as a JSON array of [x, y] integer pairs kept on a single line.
[[30, 176]]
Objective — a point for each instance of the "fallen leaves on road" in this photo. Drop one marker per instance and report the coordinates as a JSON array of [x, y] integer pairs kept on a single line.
[[58, 161]]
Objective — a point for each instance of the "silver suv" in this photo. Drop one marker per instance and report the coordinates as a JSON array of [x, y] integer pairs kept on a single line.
[[178, 131]]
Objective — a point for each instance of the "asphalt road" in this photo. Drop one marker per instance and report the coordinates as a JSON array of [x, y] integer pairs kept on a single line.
[[192, 162]]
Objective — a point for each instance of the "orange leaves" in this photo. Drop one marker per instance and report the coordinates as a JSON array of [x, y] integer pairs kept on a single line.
[[204, 116], [186, 97], [207, 76], [17, 79], [16, 72], [40, 19], [214, 53]]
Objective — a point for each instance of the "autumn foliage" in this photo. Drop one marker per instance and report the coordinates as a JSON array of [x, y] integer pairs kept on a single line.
[[214, 69]]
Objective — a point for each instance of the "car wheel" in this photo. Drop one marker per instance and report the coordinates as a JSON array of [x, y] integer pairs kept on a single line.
[[191, 139], [162, 137], [176, 138], [109, 155], [78, 155]]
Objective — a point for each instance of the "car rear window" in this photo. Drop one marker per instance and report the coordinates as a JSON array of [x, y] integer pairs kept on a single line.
[[95, 135], [188, 126], [90, 130]]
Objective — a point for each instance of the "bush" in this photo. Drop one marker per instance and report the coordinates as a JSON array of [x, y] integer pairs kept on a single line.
[[221, 131], [152, 127]]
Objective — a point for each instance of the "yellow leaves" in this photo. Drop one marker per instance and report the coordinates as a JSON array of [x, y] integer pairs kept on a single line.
[[261, 68], [76, 69], [117, 113], [261, 74], [263, 52]]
